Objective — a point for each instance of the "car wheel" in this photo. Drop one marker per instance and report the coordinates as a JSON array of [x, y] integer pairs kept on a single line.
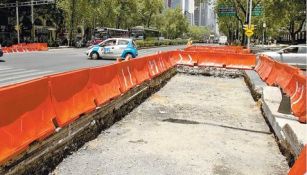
[[94, 56], [128, 56]]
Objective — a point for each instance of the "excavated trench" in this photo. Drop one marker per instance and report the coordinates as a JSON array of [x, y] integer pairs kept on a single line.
[[185, 121]]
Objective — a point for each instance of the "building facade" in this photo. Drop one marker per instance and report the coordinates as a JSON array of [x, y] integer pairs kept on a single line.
[[205, 15], [187, 7]]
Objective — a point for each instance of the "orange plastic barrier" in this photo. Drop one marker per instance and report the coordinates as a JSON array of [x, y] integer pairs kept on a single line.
[[27, 47], [26, 115], [224, 49], [287, 72], [71, 95], [161, 63], [105, 83], [289, 79], [153, 66], [166, 56], [241, 61], [126, 75], [187, 58], [298, 98], [140, 69], [275, 72], [265, 67], [212, 59], [299, 167]]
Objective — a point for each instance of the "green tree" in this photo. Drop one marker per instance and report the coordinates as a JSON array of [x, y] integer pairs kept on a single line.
[[288, 16], [235, 23], [198, 33], [172, 23], [147, 9]]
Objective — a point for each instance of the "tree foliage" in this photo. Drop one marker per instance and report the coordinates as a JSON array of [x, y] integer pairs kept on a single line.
[[198, 33], [281, 16], [172, 23]]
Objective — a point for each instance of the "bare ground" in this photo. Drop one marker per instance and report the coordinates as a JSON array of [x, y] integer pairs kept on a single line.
[[193, 125]]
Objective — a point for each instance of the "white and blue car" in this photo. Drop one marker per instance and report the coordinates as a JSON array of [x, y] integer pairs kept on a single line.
[[113, 48]]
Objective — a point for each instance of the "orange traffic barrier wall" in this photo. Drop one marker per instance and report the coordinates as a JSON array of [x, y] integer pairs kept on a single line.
[[212, 59], [153, 66], [299, 167], [160, 60], [71, 95], [240, 61], [26, 115], [126, 75], [66, 96], [187, 58], [140, 69], [105, 83], [298, 98], [264, 67], [167, 56], [215, 59], [26, 47], [290, 79], [227, 49]]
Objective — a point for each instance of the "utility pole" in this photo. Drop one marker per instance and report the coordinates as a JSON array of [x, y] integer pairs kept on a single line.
[[32, 22], [72, 21], [17, 23], [249, 21], [199, 14], [263, 35]]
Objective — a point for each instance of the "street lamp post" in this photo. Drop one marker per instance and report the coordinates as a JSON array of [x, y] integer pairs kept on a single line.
[[32, 21], [17, 23], [249, 21], [263, 37]]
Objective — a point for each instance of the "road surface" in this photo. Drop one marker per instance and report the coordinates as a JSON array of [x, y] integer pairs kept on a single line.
[[18, 67]]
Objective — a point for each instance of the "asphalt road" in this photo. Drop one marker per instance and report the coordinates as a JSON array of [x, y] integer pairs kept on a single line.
[[18, 67]]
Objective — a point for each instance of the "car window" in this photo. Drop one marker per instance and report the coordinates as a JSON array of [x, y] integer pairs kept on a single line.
[[109, 43], [291, 50], [302, 50], [123, 42], [133, 43]]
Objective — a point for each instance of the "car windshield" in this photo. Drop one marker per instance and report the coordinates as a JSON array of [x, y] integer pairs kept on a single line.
[[290, 50], [108, 43]]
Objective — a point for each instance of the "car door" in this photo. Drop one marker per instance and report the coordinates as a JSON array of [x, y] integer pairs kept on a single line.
[[290, 56], [110, 48], [122, 44], [301, 56]]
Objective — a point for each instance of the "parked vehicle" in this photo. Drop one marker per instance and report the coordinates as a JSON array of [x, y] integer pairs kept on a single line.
[[1, 52], [113, 48], [295, 55], [223, 40], [141, 33], [103, 33]]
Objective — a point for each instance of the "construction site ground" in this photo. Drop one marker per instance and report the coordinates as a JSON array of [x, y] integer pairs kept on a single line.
[[194, 125]]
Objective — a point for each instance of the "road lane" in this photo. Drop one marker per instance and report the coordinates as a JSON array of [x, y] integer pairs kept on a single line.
[[18, 67]]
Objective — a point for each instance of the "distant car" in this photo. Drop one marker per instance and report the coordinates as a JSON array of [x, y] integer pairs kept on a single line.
[[295, 55], [1, 52], [223, 40], [113, 48]]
